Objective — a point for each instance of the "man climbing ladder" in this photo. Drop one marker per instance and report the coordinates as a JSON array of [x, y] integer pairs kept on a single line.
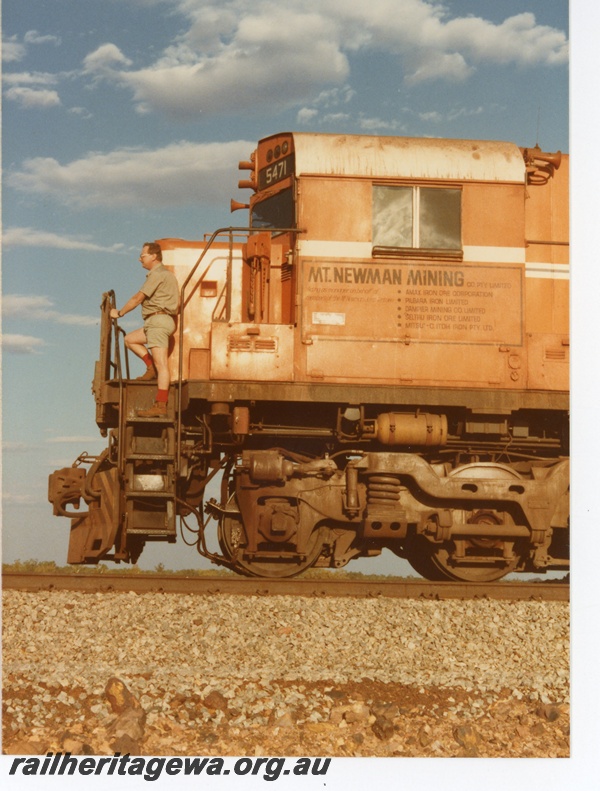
[[159, 298]]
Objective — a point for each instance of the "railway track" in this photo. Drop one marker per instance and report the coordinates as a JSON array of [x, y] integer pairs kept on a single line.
[[169, 583]]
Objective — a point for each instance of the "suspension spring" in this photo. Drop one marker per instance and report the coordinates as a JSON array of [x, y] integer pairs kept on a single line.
[[383, 490]]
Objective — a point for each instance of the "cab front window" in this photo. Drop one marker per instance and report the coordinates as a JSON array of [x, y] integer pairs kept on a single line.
[[274, 212]]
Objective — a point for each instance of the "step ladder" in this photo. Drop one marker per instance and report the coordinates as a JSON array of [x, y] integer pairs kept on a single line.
[[147, 461]]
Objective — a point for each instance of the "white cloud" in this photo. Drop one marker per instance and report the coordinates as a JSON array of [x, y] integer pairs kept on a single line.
[[29, 89], [373, 125], [12, 446], [31, 237], [434, 116], [12, 50], [29, 78], [464, 112], [11, 498], [105, 59], [237, 57], [519, 39], [82, 112], [328, 100], [451, 67], [22, 344], [368, 125], [306, 115], [335, 96], [336, 118], [426, 31], [33, 97], [40, 308], [33, 37], [178, 174], [285, 68]]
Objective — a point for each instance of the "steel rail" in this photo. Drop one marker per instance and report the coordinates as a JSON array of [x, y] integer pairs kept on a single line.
[[171, 583]]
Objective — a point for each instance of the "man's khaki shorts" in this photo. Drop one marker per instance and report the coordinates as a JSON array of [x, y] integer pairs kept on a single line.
[[159, 329]]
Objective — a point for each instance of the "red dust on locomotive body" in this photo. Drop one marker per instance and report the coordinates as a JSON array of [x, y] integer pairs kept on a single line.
[[380, 359]]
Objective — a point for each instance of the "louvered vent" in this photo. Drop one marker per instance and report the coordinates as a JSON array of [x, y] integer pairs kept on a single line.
[[556, 354], [245, 344]]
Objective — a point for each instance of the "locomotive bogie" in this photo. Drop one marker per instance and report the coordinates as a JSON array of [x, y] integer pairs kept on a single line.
[[478, 514]]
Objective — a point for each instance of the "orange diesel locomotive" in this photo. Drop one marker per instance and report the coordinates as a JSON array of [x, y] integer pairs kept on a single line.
[[379, 360]]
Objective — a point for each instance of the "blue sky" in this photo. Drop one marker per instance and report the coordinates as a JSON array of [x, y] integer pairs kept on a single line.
[[124, 121]]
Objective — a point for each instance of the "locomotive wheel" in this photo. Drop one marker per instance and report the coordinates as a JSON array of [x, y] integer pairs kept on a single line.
[[231, 534], [419, 554], [434, 562], [440, 560]]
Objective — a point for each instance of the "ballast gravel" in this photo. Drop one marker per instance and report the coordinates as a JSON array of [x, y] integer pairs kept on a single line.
[[283, 675]]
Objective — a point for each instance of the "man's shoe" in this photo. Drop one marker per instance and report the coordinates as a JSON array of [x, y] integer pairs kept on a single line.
[[149, 376], [158, 409]]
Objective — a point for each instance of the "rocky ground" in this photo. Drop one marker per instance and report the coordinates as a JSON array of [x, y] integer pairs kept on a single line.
[[169, 674]]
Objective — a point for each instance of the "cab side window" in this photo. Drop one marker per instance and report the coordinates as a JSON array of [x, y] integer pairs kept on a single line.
[[416, 218]]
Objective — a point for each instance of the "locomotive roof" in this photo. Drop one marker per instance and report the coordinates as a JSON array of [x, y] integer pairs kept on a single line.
[[408, 157]]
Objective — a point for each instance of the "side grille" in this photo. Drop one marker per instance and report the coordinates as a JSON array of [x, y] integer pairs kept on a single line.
[[245, 344], [555, 354]]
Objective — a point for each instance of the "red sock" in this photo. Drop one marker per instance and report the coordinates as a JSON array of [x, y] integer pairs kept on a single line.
[[147, 358], [163, 396]]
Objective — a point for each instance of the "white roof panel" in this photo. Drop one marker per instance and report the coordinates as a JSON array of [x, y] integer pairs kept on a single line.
[[408, 157]]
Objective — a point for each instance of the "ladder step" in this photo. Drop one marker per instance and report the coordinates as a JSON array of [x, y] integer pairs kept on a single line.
[[150, 456], [144, 440], [133, 493], [139, 396], [142, 519], [167, 419], [152, 535]]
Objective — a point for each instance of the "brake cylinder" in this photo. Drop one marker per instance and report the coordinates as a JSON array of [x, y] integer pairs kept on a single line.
[[399, 428]]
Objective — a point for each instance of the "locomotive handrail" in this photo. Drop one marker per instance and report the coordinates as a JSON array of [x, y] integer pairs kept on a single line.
[[120, 331], [219, 232], [108, 304], [119, 377], [114, 362]]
